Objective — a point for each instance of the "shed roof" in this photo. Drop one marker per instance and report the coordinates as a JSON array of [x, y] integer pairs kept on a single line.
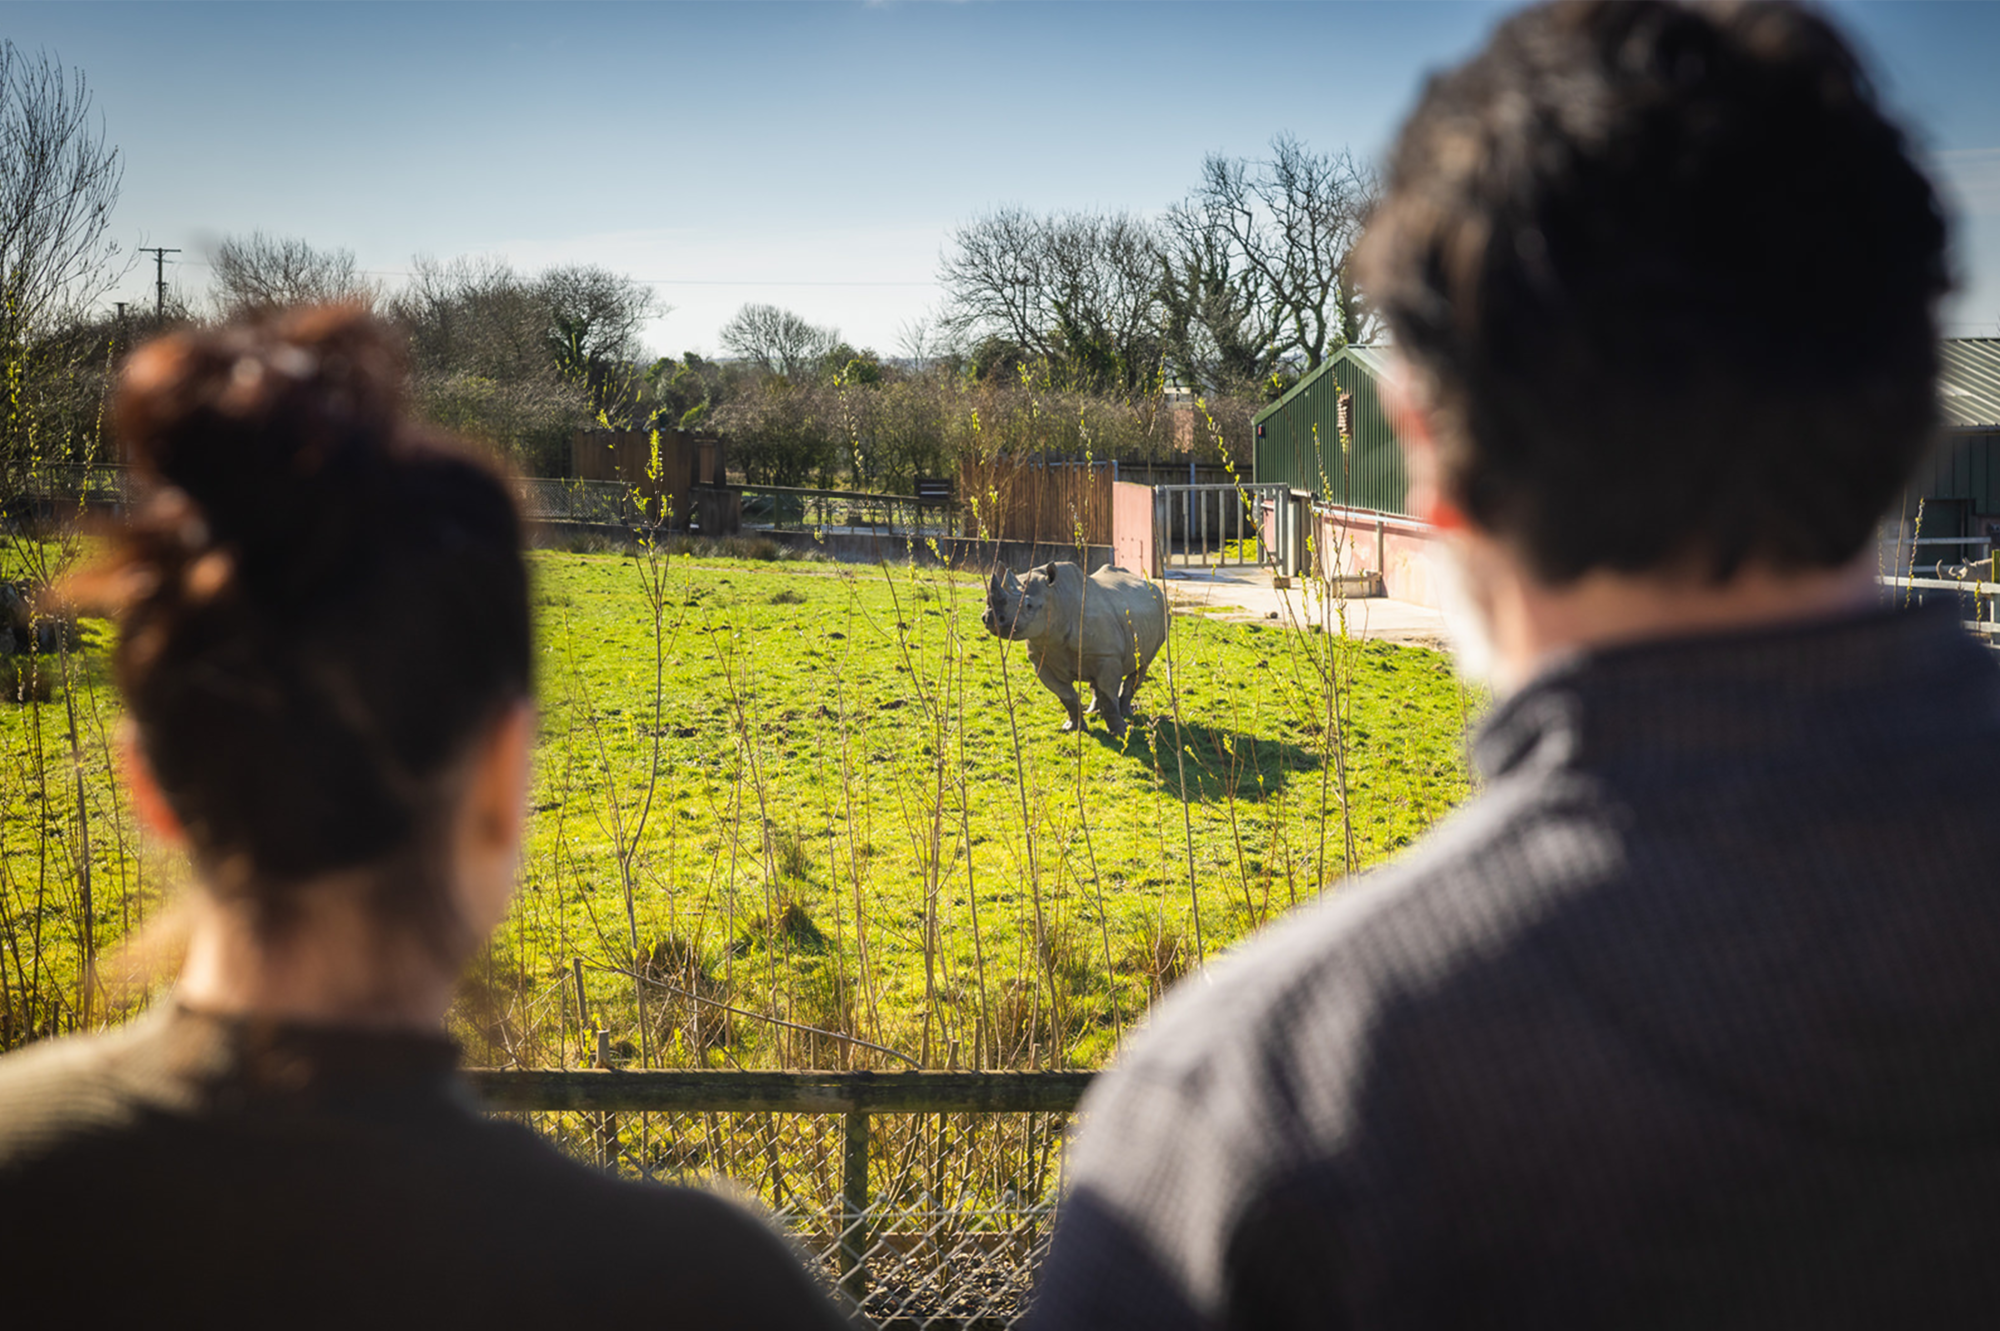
[[1969, 383], [1372, 357], [1968, 380]]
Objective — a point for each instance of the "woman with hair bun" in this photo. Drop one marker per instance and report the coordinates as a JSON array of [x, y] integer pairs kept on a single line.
[[324, 645]]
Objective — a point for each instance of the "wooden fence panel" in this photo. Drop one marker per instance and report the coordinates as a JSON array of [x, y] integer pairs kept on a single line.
[[625, 456], [1011, 499]]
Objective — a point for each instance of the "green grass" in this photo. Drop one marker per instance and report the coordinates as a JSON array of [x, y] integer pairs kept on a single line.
[[74, 877], [866, 819], [824, 815]]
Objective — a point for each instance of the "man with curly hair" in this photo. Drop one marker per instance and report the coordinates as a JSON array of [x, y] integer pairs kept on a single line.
[[1692, 1015]]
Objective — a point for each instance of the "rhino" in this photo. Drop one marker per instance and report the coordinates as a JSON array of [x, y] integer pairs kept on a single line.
[[1104, 629]]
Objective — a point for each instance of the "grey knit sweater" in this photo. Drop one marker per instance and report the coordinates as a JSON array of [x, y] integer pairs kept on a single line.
[[1691, 1018]]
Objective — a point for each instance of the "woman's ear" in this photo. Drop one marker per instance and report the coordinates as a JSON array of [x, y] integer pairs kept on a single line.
[[499, 791], [148, 800], [493, 817]]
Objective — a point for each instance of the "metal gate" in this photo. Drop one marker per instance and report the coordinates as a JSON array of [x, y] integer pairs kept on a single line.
[[1221, 526]]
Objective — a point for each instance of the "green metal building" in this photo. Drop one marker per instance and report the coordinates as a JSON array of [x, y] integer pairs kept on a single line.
[[1959, 484], [1334, 436]]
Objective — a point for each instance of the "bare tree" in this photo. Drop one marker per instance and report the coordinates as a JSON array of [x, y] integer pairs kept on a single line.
[[526, 361], [1216, 315], [481, 360], [58, 183], [1077, 290], [595, 315], [474, 316], [996, 278], [260, 272], [1256, 265], [780, 341], [923, 342]]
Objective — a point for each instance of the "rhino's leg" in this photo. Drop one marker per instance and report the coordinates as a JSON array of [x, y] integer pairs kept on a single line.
[[1107, 707], [1136, 678], [1132, 683], [1066, 691], [1110, 702]]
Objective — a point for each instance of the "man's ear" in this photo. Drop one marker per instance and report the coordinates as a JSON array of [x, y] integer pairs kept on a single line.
[[1427, 498], [148, 800]]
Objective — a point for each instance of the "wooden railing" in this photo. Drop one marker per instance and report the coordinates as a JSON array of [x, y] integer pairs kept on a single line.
[[854, 1096], [783, 1092]]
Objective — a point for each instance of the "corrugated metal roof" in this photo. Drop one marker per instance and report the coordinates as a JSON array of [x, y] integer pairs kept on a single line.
[[1370, 357], [1969, 383]]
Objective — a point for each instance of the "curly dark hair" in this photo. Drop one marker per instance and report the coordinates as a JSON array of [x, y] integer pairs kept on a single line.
[[1671, 278], [324, 605]]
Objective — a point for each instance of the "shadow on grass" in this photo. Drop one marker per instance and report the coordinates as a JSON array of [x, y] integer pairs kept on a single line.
[[1214, 763]]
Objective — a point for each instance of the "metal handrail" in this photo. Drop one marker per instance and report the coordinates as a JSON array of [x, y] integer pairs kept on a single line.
[[852, 496]]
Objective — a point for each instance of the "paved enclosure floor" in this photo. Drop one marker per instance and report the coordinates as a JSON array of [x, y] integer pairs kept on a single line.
[[1248, 593]]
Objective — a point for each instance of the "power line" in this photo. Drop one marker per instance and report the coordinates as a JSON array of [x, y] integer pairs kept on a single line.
[[159, 253], [721, 282], [672, 281]]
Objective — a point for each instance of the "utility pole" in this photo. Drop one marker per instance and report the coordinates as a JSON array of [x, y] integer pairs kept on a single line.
[[159, 253]]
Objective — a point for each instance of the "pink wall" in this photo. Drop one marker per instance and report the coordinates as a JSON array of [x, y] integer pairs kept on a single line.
[[1132, 529], [1353, 540]]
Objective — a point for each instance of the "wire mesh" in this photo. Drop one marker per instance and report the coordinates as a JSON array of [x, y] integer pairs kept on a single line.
[[947, 1232], [576, 500]]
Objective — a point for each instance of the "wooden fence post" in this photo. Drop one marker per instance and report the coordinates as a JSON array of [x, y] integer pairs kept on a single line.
[[604, 1130], [854, 1206]]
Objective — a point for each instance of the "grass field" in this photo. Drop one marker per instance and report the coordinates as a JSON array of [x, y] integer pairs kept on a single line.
[[811, 815]]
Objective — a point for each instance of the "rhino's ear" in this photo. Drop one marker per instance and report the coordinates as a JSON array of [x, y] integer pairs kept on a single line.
[[1049, 570]]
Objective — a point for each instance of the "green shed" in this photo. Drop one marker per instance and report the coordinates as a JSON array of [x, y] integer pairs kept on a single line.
[[1959, 484], [1334, 436]]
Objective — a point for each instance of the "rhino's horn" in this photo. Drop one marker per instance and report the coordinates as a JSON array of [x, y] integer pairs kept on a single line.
[[1013, 584]]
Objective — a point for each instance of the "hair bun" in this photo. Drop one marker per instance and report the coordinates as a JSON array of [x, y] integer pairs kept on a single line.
[[277, 432], [319, 608]]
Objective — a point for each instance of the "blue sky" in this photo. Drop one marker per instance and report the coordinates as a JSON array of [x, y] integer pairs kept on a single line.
[[813, 155]]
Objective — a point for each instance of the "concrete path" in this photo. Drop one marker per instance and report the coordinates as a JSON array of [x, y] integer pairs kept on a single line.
[[1247, 593]]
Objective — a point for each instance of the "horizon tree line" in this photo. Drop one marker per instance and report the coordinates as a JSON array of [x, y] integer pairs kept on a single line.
[[1059, 334]]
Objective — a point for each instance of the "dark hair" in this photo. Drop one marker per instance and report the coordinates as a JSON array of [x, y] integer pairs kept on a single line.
[[1673, 278], [325, 605]]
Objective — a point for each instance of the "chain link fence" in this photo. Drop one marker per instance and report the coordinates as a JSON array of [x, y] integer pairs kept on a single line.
[[923, 1199]]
